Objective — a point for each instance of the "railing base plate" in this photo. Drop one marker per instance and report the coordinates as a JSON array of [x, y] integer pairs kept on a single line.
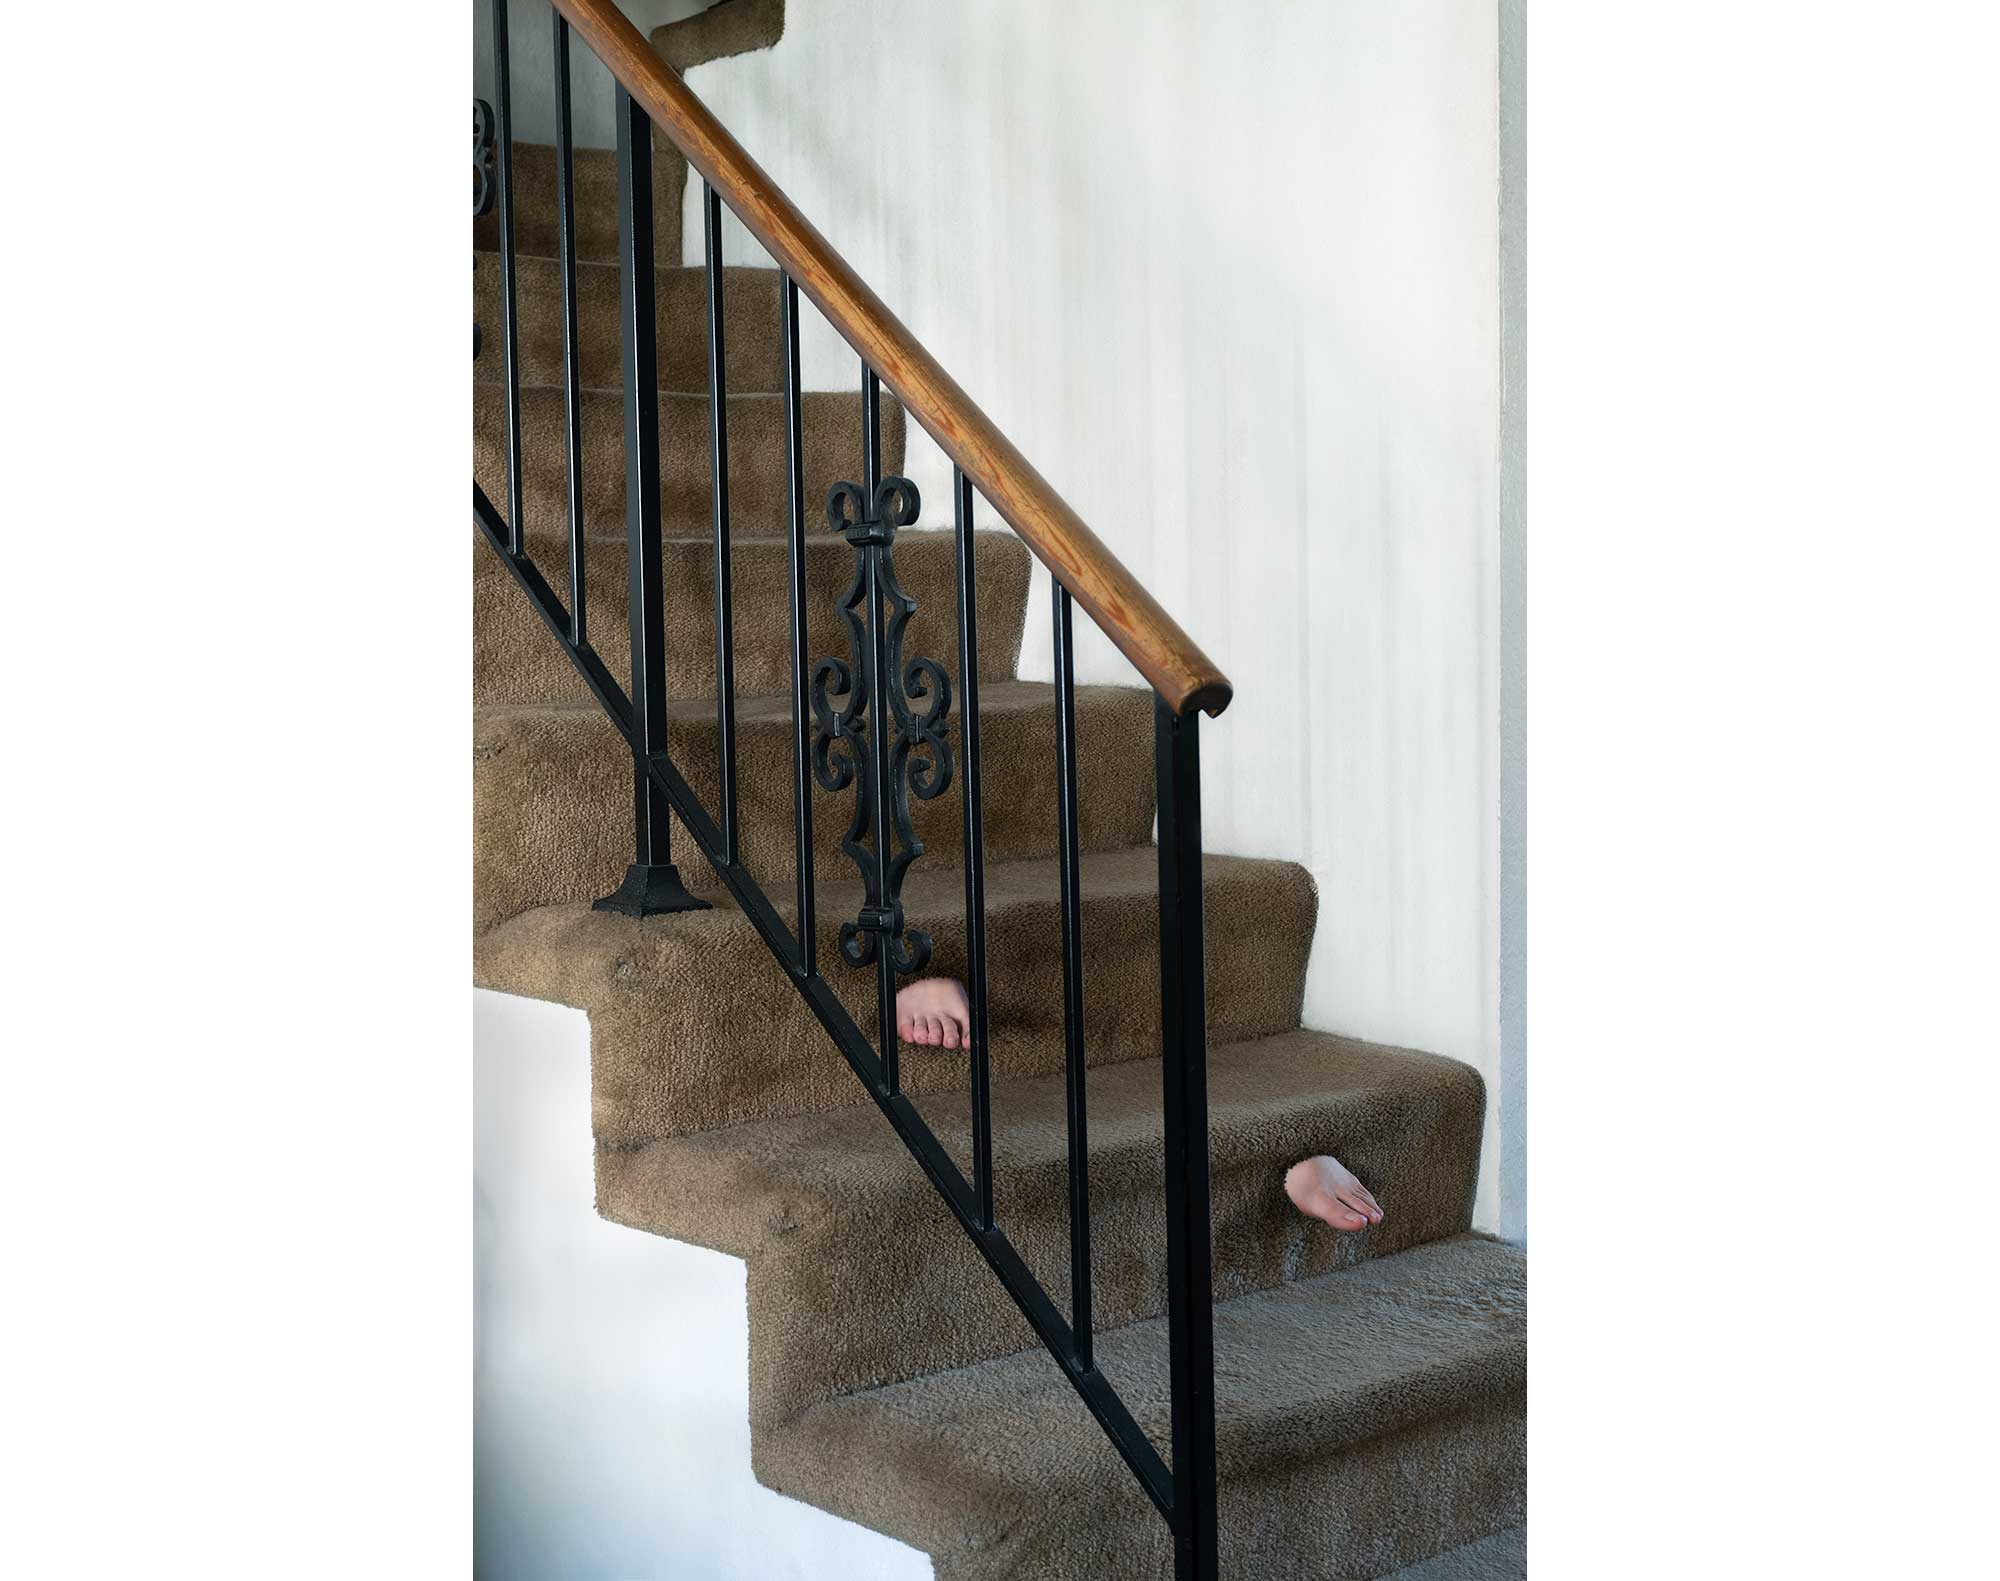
[[650, 890]]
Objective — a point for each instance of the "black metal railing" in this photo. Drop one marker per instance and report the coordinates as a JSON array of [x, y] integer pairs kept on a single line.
[[873, 723]]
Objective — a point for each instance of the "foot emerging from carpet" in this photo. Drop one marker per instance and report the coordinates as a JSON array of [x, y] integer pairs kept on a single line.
[[1325, 1188], [934, 1011]]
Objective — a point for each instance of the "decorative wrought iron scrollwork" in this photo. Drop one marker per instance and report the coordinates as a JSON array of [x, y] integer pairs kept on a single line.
[[482, 176], [482, 157], [915, 760]]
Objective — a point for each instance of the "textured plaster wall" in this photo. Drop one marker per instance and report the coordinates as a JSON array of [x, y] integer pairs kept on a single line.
[[1231, 277]]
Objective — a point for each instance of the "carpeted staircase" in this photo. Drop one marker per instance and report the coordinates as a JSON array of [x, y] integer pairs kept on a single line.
[[1370, 1388]]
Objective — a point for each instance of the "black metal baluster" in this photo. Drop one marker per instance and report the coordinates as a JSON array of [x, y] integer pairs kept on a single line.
[[975, 852], [1184, 1073], [503, 116], [718, 462], [651, 883], [878, 729], [1072, 950], [795, 480], [871, 431], [572, 393]]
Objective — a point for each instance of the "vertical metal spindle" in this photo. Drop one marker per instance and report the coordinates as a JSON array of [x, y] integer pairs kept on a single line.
[[878, 725], [503, 117], [975, 851], [651, 883], [795, 479], [1184, 1074], [871, 432], [718, 461], [572, 391], [1072, 953]]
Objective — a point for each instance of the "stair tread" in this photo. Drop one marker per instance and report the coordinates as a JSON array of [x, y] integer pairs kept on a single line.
[[1264, 1094], [937, 535], [767, 708], [614, 394], [934, 892], [543, 342], [1428, 1333], [758, 472], [699, 271], [749, 533]]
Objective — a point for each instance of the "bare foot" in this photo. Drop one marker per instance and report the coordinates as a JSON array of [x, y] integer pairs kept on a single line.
[[1327, 1189], [934, 1011]]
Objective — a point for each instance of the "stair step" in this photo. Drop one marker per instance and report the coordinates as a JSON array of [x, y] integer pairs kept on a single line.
[[1500, 1557], [758, 490], [1365, 1420], [693, 1025], [810, 1202], [594, 172], [552, 791], [516, 660], [753, 351]]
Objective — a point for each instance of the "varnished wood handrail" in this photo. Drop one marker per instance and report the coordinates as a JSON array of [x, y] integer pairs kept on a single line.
[[1144, 632]]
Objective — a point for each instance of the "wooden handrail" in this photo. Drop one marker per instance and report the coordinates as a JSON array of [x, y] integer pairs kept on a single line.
[[1144, 632]]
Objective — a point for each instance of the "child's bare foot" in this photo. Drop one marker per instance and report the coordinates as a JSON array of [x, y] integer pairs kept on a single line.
[[934, 1011], [1327, 1189]]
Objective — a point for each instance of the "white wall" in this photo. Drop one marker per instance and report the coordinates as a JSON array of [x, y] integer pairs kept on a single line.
[[1230, 276], [611, 1388]]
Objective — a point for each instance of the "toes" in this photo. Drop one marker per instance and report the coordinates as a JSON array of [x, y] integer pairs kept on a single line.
[[1321, 1205], [1365, 1211], [934, 1026], [1341, 1216], [950, 1033], [906, 1028]]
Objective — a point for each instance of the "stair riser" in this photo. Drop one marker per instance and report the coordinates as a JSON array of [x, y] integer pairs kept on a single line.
[[552, 796], [694, 1026], [753, 353], [758, 490], [595, 176], [515, 659], [922, 1298]]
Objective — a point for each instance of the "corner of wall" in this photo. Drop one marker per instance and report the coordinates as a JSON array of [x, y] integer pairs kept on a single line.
[[731, 27], [1513, 623]]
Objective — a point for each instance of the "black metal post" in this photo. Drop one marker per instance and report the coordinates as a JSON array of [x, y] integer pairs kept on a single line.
[[651, 883], [1072, 952], [510, 336], [572, 393], [975, 853], [718, 461], [795, 478], [871, 433], [878, 725], [1184, 1074]]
